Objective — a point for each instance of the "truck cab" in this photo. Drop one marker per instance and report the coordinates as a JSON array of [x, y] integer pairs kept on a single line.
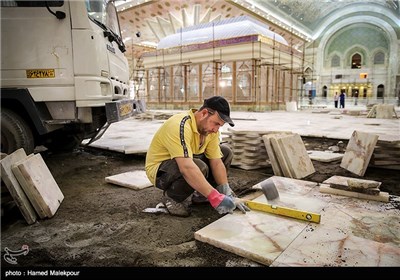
[[62, 66]]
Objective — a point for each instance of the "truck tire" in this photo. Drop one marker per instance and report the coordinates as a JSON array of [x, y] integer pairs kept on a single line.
[[15, 133]]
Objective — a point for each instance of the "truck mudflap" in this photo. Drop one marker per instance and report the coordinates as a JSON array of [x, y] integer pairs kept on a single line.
[[123, 109], [117, 111]]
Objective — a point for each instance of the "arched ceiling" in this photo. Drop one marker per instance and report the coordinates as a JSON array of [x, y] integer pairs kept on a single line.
[[145, 22], [311, 13]]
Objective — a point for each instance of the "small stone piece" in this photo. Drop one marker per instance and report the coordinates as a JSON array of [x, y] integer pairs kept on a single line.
[[362, 184]]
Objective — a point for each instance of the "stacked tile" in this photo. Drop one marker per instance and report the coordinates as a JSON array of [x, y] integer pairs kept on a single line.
[[386, 155], [248, 148], [288, 155], [148, 115]]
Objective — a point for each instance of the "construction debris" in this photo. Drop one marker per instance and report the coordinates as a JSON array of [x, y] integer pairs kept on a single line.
[[353, 187]]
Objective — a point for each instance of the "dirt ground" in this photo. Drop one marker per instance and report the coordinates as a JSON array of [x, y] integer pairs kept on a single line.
[[102, 225]]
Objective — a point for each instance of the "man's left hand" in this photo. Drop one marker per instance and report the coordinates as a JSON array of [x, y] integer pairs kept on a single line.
[[226, 189]]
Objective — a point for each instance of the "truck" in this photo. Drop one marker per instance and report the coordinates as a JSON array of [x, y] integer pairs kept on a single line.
[[64, 75]]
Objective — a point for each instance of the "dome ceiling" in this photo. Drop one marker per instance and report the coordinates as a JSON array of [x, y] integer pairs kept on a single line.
[[311, 13], [144, 23]]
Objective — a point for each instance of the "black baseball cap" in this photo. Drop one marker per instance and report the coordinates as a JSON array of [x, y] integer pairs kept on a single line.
[[219, 104]]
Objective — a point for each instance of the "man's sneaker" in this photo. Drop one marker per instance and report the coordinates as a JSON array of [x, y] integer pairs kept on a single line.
[[198, 198], [175, 208]]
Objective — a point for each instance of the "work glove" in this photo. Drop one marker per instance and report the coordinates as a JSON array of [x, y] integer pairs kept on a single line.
[[222, 203], [226, 189]]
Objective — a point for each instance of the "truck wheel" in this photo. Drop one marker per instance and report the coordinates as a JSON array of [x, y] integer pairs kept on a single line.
[[15, 133]]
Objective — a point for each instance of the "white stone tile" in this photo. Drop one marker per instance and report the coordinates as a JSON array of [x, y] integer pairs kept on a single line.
[[136, 180]]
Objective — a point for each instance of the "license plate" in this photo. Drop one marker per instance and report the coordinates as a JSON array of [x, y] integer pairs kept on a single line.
[[40, 73], [119, 110], [125, 109]]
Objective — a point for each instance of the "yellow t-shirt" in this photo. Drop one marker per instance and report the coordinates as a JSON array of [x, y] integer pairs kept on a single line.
[[179, 137]]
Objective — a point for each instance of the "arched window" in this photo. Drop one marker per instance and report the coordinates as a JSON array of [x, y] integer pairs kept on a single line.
[[153, 84], [335, 62], [243, 79], [308, 74], [324, 91], [380, 92], [356, 61], [208, 80], [179, 87], [225, 81], [165, 84], [379, 58], [193, 83]]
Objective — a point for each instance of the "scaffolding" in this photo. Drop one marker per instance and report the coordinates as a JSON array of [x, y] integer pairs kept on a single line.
[[254, 72]]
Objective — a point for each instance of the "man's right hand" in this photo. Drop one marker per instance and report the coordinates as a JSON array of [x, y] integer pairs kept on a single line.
[[222, 203]]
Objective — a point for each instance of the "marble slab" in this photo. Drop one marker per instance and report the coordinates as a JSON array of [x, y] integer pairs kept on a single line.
[[14, 187], [130, 136], [283, 164], [352, 232], [342, 180], [260, 236], [348, 235], [136, 180], [39, 185], [342, 188], [291, 186], [296, 156], [385, 111], [271, 155], [358, 152], [382, 196], [324, 156]]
